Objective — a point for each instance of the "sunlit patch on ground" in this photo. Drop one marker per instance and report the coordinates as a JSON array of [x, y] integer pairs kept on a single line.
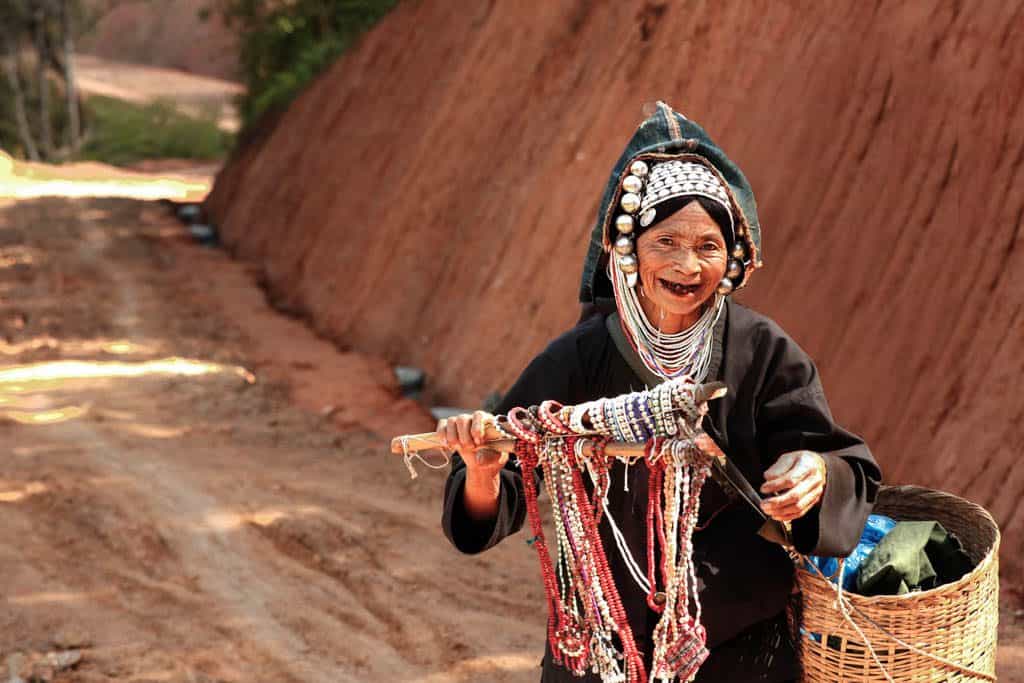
[[44, 417], [14, 495], [60, 597], [20, 377], [119, 347], [39, 451], [28, 392], [225, 520], [16, 256], [149, 189], [485, 667], [154, 431], [27, 180]]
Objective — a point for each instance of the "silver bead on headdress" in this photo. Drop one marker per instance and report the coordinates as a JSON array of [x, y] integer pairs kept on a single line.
[[631, 201], [646, 188]]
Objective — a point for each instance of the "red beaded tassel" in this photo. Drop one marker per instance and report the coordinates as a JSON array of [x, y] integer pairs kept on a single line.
[[655, 532], [528, 461]]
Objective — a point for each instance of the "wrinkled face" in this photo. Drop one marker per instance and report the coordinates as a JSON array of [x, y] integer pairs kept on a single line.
[[682, 259]]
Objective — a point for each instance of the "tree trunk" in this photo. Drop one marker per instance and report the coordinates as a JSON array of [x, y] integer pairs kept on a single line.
[[14, 79], [70, 86], [42, 61]]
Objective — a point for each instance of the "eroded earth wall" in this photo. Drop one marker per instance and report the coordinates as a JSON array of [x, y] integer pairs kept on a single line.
[[429, 198]]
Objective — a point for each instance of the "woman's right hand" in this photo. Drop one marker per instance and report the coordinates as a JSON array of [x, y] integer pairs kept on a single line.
[[465, 434]]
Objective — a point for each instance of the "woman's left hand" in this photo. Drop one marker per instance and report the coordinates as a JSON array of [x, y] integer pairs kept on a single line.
[[800, 476]]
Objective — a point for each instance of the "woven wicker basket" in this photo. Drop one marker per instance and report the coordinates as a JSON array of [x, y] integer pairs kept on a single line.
[[955, 622]]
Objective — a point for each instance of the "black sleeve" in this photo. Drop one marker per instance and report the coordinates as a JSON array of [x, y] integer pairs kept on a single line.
[[794, 415], [548, 376]]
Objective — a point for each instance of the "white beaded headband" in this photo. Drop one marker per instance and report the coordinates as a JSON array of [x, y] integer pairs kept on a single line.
[[671, 179]]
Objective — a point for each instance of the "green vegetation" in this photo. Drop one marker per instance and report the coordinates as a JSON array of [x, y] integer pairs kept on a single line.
[[285, 45], [122, 133]]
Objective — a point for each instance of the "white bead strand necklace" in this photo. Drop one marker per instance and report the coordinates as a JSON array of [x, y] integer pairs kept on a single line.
[[667, 355]]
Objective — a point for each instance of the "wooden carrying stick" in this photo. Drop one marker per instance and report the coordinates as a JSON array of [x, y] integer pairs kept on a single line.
[[494, 439]]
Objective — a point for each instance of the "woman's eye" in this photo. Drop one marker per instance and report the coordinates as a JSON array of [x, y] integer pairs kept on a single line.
[[709, 246], [667, 241]]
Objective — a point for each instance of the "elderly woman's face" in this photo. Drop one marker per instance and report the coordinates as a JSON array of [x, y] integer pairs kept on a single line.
[[682, 259]]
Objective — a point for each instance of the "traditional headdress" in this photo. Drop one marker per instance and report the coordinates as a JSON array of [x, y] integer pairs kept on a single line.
[[650, 193], [666, 135]]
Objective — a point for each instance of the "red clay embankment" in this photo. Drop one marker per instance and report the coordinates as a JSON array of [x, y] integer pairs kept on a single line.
[[429, 199]]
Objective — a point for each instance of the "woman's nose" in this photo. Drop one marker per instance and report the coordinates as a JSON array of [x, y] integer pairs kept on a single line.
[[687, 263]]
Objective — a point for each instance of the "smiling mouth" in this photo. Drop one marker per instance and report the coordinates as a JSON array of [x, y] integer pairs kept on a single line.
[[677, 288]]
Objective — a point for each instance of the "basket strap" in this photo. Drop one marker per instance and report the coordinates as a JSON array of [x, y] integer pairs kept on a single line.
[[843, 604]]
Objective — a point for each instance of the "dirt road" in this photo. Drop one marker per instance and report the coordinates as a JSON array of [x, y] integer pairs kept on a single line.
[[185, 521], [186, 494]]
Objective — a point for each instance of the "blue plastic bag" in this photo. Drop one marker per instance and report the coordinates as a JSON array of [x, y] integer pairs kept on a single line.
[[874, 531]]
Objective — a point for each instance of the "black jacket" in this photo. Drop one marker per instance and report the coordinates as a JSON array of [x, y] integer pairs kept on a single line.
[[775, 404]]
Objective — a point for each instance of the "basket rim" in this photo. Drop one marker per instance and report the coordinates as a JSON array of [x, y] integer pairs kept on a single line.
[[991, 557]]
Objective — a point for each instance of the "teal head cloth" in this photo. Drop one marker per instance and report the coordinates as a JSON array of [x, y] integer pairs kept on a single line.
[[666, 135]]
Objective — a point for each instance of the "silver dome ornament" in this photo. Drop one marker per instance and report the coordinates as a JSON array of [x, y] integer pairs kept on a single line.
[[631, 280], [733, 269], [647, 217], [632, 184], [738, 252], [624, 245], [628, 264], [630, 202], [638, 168], [624, 224], [725, 287]]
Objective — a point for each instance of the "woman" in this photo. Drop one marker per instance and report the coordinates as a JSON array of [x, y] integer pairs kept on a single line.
[[676, 234]]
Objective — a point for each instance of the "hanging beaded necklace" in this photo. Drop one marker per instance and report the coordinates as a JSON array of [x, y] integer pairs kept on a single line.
[[587, 625], [666, 355]]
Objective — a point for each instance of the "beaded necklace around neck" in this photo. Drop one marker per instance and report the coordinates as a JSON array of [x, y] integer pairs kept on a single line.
[[687, 352]]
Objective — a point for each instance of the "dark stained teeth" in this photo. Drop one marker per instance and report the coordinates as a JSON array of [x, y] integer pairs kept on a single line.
[[678, 288]]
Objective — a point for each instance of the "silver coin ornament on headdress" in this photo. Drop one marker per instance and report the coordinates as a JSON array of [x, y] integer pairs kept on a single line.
[[645, 188]]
